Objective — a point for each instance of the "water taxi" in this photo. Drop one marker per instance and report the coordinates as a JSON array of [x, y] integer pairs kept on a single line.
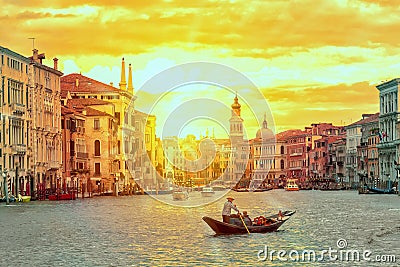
[[207, 191], [179, 194], [291, 185]]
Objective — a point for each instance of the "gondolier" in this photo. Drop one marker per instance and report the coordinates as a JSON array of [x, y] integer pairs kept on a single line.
[[226, 211]]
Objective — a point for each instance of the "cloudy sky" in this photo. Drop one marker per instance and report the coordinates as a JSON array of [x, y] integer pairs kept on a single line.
[[314, 61]]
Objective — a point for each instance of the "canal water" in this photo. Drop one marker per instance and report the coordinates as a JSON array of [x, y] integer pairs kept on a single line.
[[142, 231]]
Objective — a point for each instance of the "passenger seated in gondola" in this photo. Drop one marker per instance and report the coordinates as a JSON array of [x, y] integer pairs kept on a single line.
[[247, 220]]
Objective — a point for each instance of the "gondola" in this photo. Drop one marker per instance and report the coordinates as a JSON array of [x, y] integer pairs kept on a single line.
[[245, 189], [10, 199], [381, 191], [221, 228]]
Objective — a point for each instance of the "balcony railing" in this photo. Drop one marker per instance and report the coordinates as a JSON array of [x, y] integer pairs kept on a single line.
[[80, 170], [53, 165], [82, 155], [18, 108], [296, 154], [18, 148]]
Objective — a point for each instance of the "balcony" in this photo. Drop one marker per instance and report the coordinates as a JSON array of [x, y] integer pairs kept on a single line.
[[294, 168], [296, 154], [18, 109], [82, 155], [80, 170], [53, 165], [18, 148]]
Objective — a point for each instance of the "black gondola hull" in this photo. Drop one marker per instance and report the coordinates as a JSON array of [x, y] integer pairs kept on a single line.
[[221, 228]]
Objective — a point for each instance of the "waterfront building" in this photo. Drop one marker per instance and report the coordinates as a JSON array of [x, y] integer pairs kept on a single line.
[[135, 131], [225, 156], [266, 167], [159, 162], [337, 157], [321, 160], [353, 141], [170, 150], [45, 116], [15, 157], [75, 156], [367, 152], [92, 144], [30, 121], [300, 143], [297, 143], [143, 155], [388, 147]]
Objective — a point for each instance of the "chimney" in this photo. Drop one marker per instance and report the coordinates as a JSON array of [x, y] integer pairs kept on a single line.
[[111, 83], [364, 116], [76, 82], [35, 55], [55, 60]]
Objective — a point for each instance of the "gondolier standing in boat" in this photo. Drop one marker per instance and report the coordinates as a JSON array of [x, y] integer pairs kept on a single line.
[[226, 212]]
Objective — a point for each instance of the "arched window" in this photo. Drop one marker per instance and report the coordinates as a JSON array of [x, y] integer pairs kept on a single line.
[[282, 150], [97, 148], [282, 164]]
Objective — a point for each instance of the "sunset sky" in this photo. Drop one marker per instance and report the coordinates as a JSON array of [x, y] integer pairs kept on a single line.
[[314, 61]]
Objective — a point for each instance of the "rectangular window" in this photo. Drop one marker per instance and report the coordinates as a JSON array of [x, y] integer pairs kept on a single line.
[[96, 125]]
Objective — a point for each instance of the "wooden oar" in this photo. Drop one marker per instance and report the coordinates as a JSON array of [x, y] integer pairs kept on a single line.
[[245, 226]]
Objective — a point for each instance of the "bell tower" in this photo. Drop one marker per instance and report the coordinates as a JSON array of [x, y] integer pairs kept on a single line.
[[122, 84], [236, 124]]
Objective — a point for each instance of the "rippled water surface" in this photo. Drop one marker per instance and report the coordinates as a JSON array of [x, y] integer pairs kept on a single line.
[[141, 231]]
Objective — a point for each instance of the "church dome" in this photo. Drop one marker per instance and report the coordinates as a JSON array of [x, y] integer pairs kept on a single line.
[[236, 104], [264, 133]]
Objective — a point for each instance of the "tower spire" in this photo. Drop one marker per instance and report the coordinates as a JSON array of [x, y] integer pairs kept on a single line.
[[265, 123], [130, 85], [236, 106], [122, 84]]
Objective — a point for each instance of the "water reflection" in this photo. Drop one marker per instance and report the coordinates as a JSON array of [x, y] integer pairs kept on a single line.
[[138, 230]]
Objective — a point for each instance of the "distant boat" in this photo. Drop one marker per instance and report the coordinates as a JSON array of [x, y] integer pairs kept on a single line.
[[219, 188], [291, 185], [241, 189], [157, 192], [24, 198], [179, 194], [207, 191], [67, 196], [381, 191], [245, 189], [10, 199]]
